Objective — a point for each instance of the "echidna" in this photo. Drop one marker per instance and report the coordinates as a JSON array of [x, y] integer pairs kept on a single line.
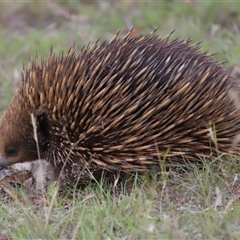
[[121, 105]]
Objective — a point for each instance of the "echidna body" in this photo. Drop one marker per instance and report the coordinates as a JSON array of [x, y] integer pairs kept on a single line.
[[121, 106]]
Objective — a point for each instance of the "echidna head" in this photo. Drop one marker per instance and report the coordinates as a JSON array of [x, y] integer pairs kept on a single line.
[[16, 138], [12, 151]]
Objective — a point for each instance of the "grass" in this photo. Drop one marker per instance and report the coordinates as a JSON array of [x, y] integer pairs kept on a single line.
[[185, 203], [196, 204]]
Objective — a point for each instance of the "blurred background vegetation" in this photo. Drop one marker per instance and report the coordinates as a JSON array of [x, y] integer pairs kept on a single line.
[[27, 28]]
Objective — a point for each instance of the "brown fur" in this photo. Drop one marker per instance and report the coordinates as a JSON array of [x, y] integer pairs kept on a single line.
[[122, 105]]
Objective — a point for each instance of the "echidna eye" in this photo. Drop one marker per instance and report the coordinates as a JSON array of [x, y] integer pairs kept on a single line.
[[11, 151]]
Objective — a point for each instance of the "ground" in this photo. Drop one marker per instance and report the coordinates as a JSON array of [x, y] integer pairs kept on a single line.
[[183, 203]]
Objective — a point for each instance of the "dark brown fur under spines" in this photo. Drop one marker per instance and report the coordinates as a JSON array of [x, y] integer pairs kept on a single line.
[[124, 105]]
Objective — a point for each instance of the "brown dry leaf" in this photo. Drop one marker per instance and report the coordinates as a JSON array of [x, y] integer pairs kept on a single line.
[[132, 31], [17, 173], [135, 32], [18, 177]]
